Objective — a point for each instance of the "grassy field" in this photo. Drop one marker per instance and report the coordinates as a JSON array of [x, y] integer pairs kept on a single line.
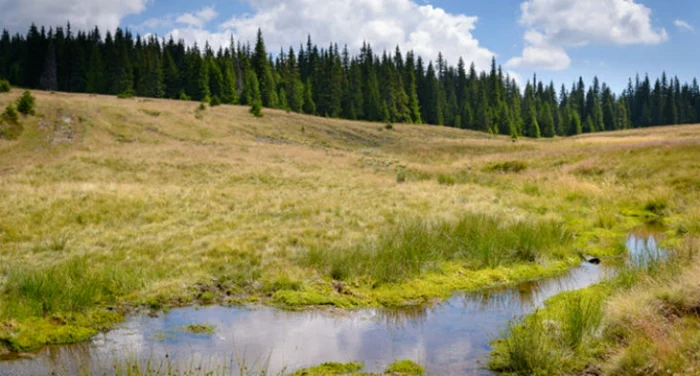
[[112, 204]]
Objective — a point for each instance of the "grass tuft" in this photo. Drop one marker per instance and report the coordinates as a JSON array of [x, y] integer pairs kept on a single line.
[[414, 247]]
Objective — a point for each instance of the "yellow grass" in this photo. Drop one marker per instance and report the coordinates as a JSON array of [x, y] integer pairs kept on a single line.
[[220, 201]]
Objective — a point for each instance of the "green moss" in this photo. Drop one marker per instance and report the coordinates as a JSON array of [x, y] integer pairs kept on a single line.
[[405, 367], [34, 333], [330, 368], [199, 329]]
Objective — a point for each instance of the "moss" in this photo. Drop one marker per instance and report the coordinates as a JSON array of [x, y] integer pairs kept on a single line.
[[405, 367], [199, 329], [34, 333], [330, 368], [433, 286]]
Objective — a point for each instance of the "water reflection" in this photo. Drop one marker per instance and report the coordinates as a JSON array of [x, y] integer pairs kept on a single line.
[[451, 338]]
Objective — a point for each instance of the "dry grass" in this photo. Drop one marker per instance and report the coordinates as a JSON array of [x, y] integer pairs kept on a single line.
[[229, 200]]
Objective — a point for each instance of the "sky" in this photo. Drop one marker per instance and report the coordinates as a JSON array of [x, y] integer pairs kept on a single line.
[[559, 40]]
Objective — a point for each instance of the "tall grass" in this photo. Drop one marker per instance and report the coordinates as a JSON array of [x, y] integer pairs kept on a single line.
[[416, 246], [545, 340], [67, 287]]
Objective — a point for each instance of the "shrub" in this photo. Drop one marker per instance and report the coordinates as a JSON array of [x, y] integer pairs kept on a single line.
[[183, 96], [10, 128], [10, 115], [389, 126], [4, 86], [202, 106], [215, 101], [256, 108], [25, 103], [127, 94]]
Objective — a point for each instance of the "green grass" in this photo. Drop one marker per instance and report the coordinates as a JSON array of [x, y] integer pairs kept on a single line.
[[415, 247], [67, 287]]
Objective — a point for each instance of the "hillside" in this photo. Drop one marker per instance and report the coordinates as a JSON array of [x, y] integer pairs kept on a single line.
[[155, 203]]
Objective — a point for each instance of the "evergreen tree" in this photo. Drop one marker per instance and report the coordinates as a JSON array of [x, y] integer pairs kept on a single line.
[[171, 77], [95, 78], [309, 106], [253, 93], [575, 127], [49, 78], [546, 121], [261, 66]]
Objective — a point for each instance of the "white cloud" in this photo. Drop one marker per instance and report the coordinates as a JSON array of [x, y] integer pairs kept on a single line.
[[554, 25], [683, 25], [17, 15], [384, 23], [199, 18]]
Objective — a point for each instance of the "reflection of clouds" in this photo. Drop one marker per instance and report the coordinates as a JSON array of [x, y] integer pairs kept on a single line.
[[449, 338]]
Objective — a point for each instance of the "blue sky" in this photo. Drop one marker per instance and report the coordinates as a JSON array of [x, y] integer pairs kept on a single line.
[[559, 39]]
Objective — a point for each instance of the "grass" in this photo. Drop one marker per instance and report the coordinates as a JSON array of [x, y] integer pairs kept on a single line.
[[644, 321], [412, 248], [133, 209]]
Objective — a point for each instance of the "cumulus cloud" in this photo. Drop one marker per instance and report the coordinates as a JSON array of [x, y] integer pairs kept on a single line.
[[554, 25], [17, 15], [683, 25], [425, 29], [198, 19]]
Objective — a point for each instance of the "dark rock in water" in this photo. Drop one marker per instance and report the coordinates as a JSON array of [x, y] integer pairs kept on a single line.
[[593, 260]]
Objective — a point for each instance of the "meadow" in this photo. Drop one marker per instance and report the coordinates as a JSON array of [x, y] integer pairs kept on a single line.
[[114, 205]]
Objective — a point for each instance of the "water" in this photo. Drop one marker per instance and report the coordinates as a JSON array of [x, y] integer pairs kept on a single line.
[[451, 338]]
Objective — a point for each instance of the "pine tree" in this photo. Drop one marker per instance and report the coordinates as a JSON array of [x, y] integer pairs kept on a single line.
[[261, 66], [171, 76], [309, 106], [95, 78], [229, 94], [575, 127], [49, 78], [253, 93], [546, 121]]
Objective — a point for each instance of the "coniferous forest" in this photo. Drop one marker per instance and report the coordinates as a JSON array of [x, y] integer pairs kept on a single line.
[[328, 81]]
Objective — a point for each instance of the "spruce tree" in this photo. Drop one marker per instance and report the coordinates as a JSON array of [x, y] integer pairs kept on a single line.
[[171, 77], [95, 78], [309, 106], [261, 66], [253, 93], [49, 77], [546, 121]]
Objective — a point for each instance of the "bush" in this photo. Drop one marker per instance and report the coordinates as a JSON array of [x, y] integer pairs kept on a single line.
[[127, 94], [202, 106], [4, 86], [25, 103], [10, 115], [215, 101], [10, 128], [183, 96], [256, 109]]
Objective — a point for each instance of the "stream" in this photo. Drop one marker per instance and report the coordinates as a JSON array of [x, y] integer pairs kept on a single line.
[[451, 338]]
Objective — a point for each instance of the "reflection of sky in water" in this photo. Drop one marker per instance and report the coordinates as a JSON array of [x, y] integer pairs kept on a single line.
[[449, 338]]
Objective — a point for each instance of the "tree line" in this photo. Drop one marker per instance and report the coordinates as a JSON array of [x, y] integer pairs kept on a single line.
[[388, 87]]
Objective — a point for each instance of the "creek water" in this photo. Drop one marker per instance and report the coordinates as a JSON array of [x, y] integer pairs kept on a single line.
[[451, 338]]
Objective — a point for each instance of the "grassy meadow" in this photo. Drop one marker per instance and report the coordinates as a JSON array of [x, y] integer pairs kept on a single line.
[[111, 205]]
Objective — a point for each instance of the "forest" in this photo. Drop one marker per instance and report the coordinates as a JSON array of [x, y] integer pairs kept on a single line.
[[393, 87]]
